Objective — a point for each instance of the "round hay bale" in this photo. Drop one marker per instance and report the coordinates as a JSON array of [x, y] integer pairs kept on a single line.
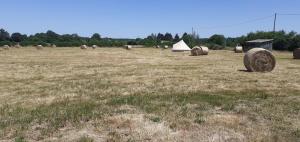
[[238, 49], [196, 51], [6, 47], [83, 47], [157, 46], [259, 60], [166, 46], [297, 53], [18, 46], [94, 46], [48, 45], [39, 47], [205, 50], [128, 47], [53, 46]]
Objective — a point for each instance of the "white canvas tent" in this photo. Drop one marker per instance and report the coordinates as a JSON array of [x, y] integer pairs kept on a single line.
[[180, 47]]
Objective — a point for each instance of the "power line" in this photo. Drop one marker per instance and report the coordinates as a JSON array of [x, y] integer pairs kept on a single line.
[[283, 14], [289, 14]]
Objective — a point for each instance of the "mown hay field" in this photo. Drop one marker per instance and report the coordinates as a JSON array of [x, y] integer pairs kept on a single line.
[[112, 94]]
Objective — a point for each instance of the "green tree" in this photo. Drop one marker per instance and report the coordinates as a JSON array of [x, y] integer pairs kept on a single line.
[[191, 40], [217, 39], [96, 36], [160, 36], [176, 38], [4, 35], [168, 37], [18, 37]]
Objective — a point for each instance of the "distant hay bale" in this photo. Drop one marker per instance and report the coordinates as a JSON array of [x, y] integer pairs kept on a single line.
[[53, 46], [128, 47], [18, 46], [166, 46], [94, 46], [297, 53], [197, 51], [205, 50], [83, 47], [157, 46], [238, 49], [39, 47], [259, 60], [6, 47]]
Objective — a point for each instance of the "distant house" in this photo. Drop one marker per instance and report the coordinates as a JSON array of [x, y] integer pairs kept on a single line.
[[259, 43]]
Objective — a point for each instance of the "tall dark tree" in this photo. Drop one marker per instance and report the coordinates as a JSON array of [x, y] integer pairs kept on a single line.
[[160, 36], [18, 37], [51, 36], [168, 37], [217, 39], [176, 38], [152, 37], [190, 40], [96, 36], [4, 35], [184, 35]]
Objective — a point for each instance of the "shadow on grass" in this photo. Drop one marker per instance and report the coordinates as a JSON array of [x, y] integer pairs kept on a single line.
[[244, 70]]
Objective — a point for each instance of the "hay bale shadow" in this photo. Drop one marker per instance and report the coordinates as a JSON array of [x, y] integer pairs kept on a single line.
[[244, 70]]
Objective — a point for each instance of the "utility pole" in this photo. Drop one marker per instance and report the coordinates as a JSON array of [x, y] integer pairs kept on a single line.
[[274, 27], [193, 32]]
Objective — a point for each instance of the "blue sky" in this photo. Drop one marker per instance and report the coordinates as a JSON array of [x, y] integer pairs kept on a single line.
[[138, 18]]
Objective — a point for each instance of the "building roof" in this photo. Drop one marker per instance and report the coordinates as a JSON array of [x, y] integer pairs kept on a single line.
[[260, 40]]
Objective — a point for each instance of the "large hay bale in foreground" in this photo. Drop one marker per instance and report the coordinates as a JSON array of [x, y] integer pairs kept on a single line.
[[83, 47], [39, 47], [259, 60], [197, 51], [6, 47], [297, 53], [238, 49], [94, 46]]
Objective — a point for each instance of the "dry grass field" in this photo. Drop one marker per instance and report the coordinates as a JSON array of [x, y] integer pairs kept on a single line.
[[112, 94]]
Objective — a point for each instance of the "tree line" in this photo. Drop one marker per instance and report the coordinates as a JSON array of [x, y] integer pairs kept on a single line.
[[282, 40], [50, 38]]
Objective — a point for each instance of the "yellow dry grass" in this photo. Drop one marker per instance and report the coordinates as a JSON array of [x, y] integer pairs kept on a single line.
[[30, 79]]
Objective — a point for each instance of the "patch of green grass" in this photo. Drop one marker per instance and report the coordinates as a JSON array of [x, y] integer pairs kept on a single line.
[[155, 102], [297, 133], [55, 116], [188, 107], [20, 139], [199, 119], [85, 139], [155, 119]]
